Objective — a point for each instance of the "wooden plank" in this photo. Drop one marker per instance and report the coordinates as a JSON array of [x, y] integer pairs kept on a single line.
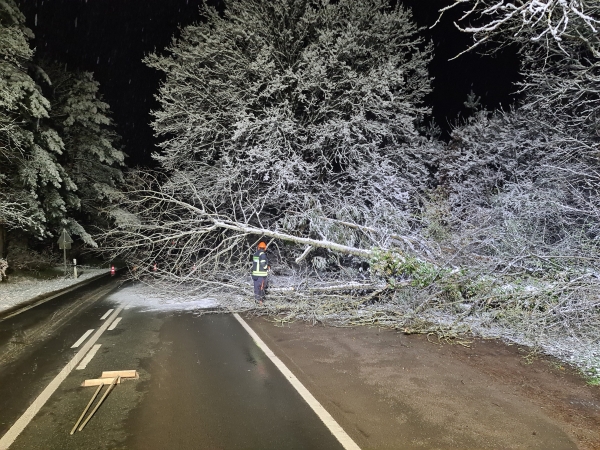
[[108, 389], [120, 373], [86, 409], [98, 382]]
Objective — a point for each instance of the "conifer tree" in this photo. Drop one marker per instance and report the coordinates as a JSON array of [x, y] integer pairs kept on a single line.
[[91, 155], [59, 162], [30, 176]]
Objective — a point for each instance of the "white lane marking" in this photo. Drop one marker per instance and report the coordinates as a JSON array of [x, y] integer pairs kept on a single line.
[[329, 421], [85, 361], [114, 324], [18, 427], [82, 338], [106, 314]]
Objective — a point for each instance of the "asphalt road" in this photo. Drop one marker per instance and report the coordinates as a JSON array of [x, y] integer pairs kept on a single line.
[[204, 383]]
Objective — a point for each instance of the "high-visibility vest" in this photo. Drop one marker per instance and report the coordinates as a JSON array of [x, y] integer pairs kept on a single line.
[[260, 264]]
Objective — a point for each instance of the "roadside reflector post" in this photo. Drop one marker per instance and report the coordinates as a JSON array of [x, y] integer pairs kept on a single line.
[[64, 243], [74, 268]]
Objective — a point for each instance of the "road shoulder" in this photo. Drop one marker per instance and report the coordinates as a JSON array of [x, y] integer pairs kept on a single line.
[[389, 390]]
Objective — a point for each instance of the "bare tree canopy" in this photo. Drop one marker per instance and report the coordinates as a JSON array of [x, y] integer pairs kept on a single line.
[[295, 117], [559, 45]]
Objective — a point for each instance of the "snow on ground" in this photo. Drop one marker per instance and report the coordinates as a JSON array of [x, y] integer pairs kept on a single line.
[[149, 299], [22, 289]]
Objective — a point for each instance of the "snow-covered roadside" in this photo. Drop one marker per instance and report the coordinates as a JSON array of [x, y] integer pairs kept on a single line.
[[20, 290]]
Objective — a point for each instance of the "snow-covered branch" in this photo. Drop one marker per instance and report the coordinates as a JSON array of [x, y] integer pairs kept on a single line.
[[534, 19]]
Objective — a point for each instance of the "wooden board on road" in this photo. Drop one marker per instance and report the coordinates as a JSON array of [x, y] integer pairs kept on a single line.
[[98, 381], [120, 373], [107, 377]]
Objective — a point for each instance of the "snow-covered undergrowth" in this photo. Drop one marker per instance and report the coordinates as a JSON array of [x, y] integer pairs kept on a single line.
[[19, 289]]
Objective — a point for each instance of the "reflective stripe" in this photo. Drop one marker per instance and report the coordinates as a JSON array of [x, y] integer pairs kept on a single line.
[[257, 270]]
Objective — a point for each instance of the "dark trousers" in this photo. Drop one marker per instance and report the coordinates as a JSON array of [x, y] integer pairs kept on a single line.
[[260, 284]]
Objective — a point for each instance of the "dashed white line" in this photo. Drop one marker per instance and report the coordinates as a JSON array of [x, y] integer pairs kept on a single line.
[[114, 324], [106, 314], [18, 427], [85, 361], [82, 338], [325, 417]]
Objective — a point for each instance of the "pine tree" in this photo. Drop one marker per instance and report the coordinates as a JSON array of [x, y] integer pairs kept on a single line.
[[59, 164], [26, 166], [91, 155]]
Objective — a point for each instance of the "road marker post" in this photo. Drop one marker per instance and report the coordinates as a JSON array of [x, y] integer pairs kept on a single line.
[[64, 244]]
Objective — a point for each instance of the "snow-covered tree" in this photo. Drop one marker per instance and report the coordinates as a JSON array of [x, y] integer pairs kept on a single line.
[[288, 111], [58, 163], [535, 20], [539, 162], [559, 42], [298, 117], [91, 155], [521, 192], [26, 163]]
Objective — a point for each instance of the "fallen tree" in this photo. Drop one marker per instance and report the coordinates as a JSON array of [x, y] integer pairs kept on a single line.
[[505, 247], [158, 225]]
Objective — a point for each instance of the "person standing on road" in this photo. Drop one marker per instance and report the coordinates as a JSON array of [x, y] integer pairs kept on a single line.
[[260, 271]]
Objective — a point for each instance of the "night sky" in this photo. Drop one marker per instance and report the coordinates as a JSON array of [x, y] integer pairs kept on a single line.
[[110, 38]]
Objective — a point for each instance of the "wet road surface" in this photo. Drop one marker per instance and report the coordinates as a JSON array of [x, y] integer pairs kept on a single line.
[[204, 384], [35, 345]]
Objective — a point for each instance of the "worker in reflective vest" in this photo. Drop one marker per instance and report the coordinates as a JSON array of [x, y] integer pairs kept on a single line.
[[260, 271]]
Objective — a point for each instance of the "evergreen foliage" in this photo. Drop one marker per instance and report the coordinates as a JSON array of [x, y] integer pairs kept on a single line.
[[30, 176], [58, 159], [91, 155]]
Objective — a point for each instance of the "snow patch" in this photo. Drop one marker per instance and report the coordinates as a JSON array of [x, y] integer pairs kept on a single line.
[[148, 299]]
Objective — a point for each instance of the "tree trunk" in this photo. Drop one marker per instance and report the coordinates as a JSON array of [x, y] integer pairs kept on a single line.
[[3, 241], [3, 264], [298, 240]]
